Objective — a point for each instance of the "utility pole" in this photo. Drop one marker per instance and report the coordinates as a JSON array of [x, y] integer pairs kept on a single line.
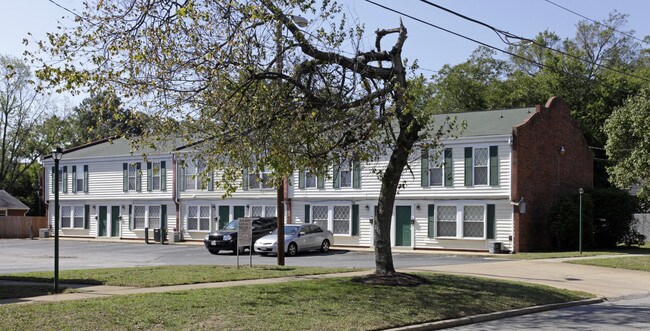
[[279, 206]]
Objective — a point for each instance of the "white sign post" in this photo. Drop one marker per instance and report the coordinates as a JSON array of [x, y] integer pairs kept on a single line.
[[245, 237]]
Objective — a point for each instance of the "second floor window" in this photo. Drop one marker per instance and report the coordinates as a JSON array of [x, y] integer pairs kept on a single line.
[[155, 176], [481, 159], [261, 180], [436, 171], [310, 179], [345, 174], [133, 171]]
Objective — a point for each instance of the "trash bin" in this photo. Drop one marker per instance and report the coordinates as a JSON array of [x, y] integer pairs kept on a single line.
[[156, 235], [494, 247], [44, 233]]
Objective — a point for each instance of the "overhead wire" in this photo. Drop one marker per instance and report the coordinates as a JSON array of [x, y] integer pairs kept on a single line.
[[509, 36], [594, 21]]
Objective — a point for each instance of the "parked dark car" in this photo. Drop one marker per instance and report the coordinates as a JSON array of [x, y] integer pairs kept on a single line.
[[226, 238]]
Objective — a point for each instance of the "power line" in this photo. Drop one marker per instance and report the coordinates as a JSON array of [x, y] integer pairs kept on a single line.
[[596, 22], [507, 35], [66, 9]]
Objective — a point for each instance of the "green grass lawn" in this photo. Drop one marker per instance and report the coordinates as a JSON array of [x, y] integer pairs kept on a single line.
[[170, 275], [629, 262], [323, 304]]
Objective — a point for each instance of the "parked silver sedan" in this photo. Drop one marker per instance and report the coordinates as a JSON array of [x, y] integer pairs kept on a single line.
[[297, 238]]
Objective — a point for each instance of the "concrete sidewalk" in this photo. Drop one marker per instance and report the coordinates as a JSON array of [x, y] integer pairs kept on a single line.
[[608, 283]]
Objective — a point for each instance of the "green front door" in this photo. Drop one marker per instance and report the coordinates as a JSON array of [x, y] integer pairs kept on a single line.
[[101, 225], [224, 216], [115, 221], [403, 226], [239, 212]]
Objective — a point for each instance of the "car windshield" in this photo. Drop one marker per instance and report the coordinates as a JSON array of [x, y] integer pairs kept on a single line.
[[288, 230], [232, 225]]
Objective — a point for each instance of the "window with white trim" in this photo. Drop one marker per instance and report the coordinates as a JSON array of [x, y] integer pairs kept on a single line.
[[481, 166], [446, 221], [155, 176], [260, 180], [436, 168], [345, 174], [310, 179], [319, 216], [198, 218], [193, 176], [72, 217], [132, 175], [262, 211], [3, 212], [146, 217], [474, 221], [341, 219]]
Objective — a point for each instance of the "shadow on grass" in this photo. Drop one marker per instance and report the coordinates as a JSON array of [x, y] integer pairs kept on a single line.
[[26, 290], [35, 279]]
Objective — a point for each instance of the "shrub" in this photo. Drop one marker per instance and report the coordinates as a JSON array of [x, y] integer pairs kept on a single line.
[[613, 216], [564, 225]]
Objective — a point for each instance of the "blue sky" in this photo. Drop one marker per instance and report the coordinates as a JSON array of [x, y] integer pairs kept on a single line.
[[433, 48]]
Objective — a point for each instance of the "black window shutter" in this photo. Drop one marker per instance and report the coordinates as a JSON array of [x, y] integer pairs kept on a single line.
[[65, 179], [449, 168], [52, 181], [211, 182], [163, 175], [307, 214], [86, 216], [321, 182], [125, 177], [494, 165], [356, 174], [491, 221], [163, 216], [138, 176], [424, 167], [469, 167], [336, 180], [86, 178], [130, 217], [245, 180], [355, 220], [74, 179], [149, 177], [431, 221], [301, 179]]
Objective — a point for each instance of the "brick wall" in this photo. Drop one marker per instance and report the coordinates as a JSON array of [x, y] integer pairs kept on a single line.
[[542, 173]]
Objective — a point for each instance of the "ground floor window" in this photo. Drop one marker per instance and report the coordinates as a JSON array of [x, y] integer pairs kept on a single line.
[[72, 217], [198, 218], [460, 221], [262, 211], [146, 217], [334, 218]]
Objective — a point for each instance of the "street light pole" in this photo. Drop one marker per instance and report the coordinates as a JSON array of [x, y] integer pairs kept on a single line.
[[581, 191], [56, 155]]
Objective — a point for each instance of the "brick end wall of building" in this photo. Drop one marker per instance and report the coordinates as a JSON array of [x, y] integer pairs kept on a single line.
[[550, 159]]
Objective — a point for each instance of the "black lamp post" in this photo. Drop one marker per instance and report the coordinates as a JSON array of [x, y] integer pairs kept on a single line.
[[56, 155]]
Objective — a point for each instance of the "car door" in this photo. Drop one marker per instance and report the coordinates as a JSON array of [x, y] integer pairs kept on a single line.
[[315, 236]]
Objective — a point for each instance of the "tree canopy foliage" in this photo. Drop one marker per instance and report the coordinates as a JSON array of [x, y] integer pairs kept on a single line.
[[252, 89]]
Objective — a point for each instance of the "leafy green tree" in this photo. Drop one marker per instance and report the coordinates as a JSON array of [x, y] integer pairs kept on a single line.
[[628, 144], [219, 67]]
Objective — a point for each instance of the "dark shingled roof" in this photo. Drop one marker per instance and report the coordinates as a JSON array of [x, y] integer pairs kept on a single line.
[[7, 201], [489, 122]]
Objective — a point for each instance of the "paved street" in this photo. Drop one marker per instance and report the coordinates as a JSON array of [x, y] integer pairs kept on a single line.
[[626, 314], [20, 255]]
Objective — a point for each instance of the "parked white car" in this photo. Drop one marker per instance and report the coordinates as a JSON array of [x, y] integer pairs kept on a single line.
[[297, 238]]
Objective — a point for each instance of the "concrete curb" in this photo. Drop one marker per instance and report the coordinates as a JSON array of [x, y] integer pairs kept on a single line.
[[494, 316]]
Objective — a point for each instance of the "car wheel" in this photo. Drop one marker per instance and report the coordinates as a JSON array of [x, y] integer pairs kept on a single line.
[[325, 246], [292, 250], [213, 251]]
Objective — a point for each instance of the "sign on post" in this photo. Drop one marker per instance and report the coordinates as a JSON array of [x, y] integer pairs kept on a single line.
[[245, 237]]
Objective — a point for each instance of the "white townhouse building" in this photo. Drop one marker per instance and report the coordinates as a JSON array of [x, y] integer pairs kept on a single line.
[[495, 182]]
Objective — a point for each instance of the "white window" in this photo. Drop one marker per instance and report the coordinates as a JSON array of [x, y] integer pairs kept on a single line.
[[345, 174], [262, 211], [3, 212], [473, 221], [341, 220], [319, 216], [155, 176], [446, 221], [146, 216], [481, 162], [72, 217], [132, 176], [436, 171], [60, 179], [261, 180], [80, 179], [198, 218], [310, 179]]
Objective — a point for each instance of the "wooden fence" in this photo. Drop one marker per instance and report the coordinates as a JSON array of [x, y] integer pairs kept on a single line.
[[20, 226]]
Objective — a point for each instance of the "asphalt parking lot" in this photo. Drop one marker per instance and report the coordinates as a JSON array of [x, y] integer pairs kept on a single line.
[[23, 255]]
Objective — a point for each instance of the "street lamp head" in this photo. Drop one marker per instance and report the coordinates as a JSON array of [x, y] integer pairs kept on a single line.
[[562, 150], [581, 191], [57, 153], [299, 21]]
